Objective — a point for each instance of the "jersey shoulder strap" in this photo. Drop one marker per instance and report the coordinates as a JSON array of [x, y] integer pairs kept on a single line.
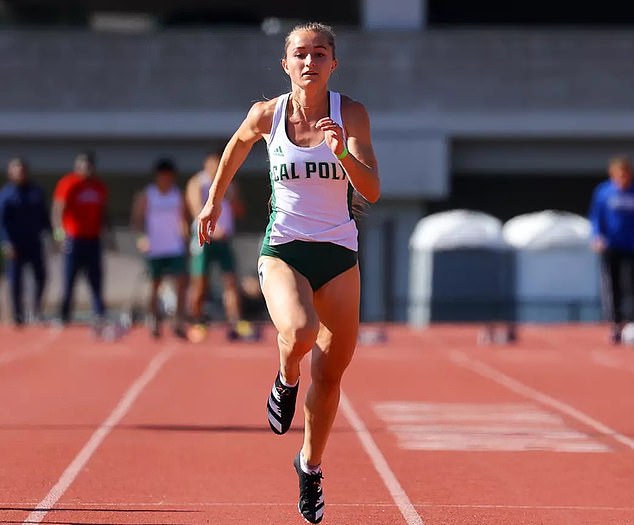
[[278, 115]]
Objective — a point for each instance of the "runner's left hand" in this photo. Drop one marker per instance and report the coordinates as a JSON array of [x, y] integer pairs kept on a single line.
[[333, 134]]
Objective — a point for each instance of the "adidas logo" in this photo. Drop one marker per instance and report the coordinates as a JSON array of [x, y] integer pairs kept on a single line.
[[278, 151]]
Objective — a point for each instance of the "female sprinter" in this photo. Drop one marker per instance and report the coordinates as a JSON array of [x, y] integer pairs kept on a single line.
[[320, 151]]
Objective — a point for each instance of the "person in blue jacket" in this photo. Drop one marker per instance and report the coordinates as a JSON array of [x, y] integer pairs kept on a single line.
[[24, 218], [612, 218]]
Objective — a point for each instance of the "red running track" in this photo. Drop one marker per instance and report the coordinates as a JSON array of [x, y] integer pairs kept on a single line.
[[432, 429]]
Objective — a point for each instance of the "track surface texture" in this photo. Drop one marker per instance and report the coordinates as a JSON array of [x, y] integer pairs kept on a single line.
[[432, 429]]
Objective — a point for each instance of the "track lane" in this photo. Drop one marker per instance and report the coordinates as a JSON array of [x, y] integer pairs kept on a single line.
[[196, 448], [52, 402], [476, 487], [576, 366]]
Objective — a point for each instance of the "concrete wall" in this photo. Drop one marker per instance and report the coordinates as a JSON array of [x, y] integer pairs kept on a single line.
[[424, 90], [441, 71]]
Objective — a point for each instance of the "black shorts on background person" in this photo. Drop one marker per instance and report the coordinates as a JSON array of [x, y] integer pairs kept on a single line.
[[612, 218], [23, 219]]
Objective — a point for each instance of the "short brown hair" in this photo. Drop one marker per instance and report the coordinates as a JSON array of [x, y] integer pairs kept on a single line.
[[18, 161], [621, 161]]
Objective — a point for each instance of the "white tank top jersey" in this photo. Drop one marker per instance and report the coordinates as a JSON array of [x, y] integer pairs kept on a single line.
[[310, 192], [163, 222], [226, 222]]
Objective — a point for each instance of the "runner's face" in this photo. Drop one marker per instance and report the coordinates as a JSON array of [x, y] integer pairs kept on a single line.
[[309, 58]]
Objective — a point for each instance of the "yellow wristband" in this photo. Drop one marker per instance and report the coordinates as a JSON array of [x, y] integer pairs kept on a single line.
[[343, 154]]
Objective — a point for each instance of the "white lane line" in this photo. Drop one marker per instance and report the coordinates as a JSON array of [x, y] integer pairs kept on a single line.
[[179, 505], [461, 359], [380, 464], [525, 507], [35, 348], [84, 455]]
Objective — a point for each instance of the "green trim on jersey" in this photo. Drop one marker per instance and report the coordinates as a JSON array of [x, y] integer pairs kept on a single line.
[[350, 196], [272, 212]]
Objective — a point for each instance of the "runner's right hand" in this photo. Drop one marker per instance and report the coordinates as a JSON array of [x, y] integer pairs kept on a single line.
[[207, 220]]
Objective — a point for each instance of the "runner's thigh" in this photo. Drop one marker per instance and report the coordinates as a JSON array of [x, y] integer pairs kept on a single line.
[[288, 295]]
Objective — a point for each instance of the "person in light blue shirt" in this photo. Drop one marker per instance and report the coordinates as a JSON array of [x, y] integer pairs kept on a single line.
[[612, 219]]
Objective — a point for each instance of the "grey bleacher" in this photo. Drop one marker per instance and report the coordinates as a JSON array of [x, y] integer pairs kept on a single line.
[[439, 70]]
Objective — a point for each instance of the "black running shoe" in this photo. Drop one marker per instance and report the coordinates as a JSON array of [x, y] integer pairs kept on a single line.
[[311, 496], [281, 406], [154, 324], [179, 331]]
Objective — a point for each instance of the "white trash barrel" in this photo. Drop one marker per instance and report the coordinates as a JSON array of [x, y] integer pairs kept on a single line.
[[460, 269], [556, 272]]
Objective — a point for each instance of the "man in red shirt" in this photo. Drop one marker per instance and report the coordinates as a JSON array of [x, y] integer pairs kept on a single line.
[[79, 212]]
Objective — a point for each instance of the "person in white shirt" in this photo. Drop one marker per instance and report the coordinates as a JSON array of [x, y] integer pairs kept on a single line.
[[160, 216], [220, 251]]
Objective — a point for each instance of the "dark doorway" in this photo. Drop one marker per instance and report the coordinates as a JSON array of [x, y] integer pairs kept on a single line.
[[505, 196], [537, 12]]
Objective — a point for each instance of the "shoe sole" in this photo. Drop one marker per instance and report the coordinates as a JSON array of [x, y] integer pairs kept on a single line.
[[300, 513]]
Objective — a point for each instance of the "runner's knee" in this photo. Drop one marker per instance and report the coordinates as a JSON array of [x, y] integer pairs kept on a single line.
[[300, 334], [326, 377]]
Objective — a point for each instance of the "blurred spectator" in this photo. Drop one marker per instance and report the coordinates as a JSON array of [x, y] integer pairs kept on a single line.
[[159, 214], [23, 218], [79, 220], [251, 299], [221, 249], [612, 217]]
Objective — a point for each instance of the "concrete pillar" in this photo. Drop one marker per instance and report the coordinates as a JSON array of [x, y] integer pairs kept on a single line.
[[384, 252]]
